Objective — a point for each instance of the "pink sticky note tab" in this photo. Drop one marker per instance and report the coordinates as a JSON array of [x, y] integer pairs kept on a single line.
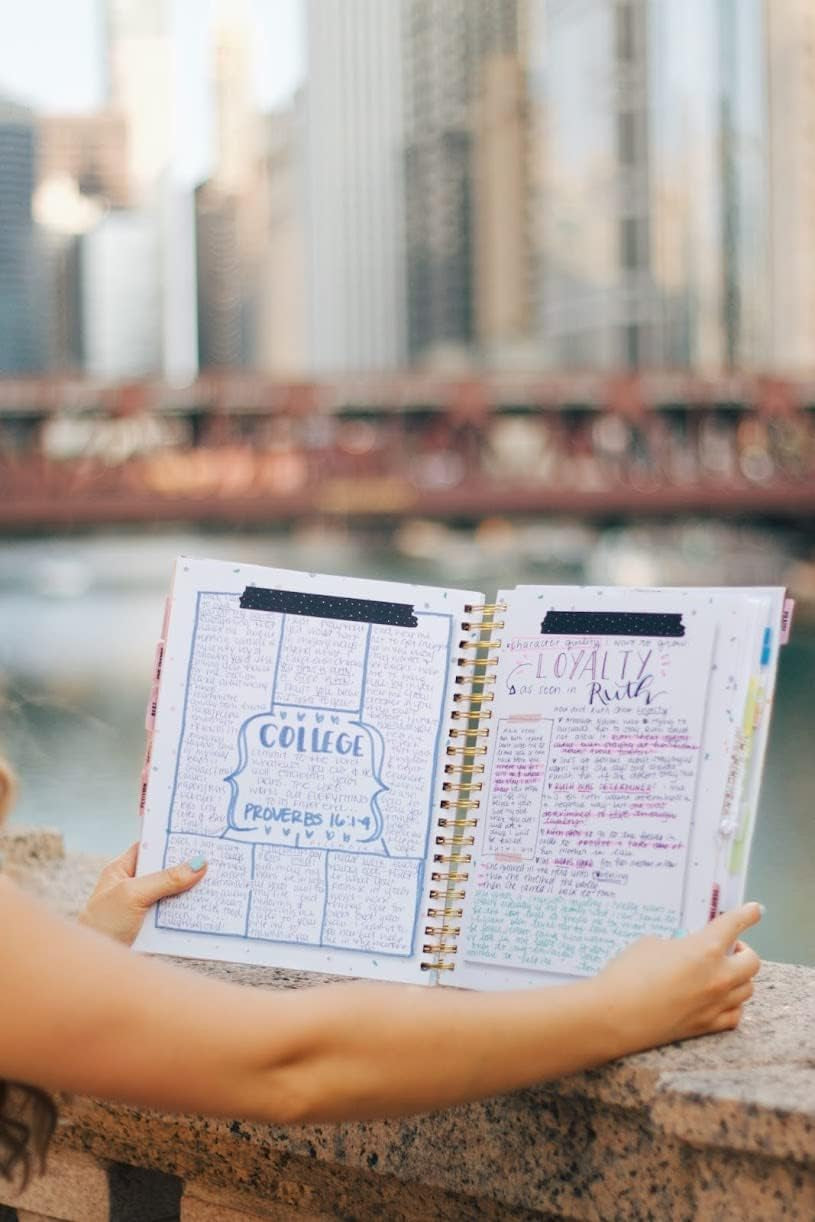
[[143, 792], [786, 620], [165, 623], [159, 658], [152, 705]]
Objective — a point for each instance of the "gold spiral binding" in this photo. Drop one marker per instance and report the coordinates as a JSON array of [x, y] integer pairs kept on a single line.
[[475, 666], [484, 608]]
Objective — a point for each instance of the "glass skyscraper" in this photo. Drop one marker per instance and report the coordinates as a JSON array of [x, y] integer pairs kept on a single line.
[[19, 265], [653, 223]]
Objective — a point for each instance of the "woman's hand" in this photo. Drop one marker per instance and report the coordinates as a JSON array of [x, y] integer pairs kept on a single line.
[[659, 991], [120, 901]]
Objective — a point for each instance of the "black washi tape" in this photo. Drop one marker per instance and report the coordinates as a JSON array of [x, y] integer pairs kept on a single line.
[[612, 623], [326, 606]]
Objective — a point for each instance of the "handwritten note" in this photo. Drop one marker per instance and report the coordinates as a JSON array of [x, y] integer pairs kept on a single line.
[[231, 660], [287, 897], [590, 794], [372, 903], [516, 791], [406, 679], [220, 902]]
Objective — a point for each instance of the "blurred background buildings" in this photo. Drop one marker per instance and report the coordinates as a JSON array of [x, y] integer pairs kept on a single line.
[[544, 184]]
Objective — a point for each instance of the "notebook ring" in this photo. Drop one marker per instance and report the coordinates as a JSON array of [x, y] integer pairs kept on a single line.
[[470, 608]]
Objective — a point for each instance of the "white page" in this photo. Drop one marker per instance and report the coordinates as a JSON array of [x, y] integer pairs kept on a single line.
[[583, 840], [302, 757]]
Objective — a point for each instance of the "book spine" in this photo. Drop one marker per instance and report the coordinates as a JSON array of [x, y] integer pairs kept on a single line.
[[463, 785]]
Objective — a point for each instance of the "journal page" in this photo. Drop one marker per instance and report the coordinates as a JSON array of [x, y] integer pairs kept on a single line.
[[298, 743], [742, 673], [587, 812]]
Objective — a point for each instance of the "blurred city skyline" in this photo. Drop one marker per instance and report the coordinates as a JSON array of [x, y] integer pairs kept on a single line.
[[36, 71], [331, 187]]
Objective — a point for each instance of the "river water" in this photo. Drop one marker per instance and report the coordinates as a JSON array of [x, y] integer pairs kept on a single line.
[[79, 618]]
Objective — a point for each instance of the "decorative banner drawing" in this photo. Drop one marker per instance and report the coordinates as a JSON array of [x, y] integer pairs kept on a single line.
[[307, 778]]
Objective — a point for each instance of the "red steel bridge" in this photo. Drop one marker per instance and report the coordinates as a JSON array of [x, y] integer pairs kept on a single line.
[[242, 448]]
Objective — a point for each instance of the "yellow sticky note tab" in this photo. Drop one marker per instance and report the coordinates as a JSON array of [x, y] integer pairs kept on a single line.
[[749, 719]]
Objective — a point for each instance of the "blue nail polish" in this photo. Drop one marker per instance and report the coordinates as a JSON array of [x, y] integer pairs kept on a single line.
[[197, 863], [679, 933]]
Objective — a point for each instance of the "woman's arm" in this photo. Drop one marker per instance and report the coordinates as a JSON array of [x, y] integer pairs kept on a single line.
[[81, 1013]]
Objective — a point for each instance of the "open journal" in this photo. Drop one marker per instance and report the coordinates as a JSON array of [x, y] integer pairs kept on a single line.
[[416, 784]]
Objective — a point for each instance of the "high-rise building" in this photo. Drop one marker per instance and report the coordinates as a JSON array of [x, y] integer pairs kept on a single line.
[[224, 330], [461, 67], [20, 279], [140, 78], [63, 213], [354, 190], [791, 91], [281, 319], [237, 131], [90, 149], [230, 206], [501, 190], [120, 291], [653, 220], [144, 87]]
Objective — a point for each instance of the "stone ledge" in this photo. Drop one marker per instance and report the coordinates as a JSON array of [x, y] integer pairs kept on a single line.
[[722, 1127]]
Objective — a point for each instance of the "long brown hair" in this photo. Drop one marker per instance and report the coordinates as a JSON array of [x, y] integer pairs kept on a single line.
[[27, 1114]]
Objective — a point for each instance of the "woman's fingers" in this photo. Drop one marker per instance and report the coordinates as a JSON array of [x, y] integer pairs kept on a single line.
[[172, 881], [742, 965], [728, 927], [727, 1020], [738, 996], [123, 866]]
